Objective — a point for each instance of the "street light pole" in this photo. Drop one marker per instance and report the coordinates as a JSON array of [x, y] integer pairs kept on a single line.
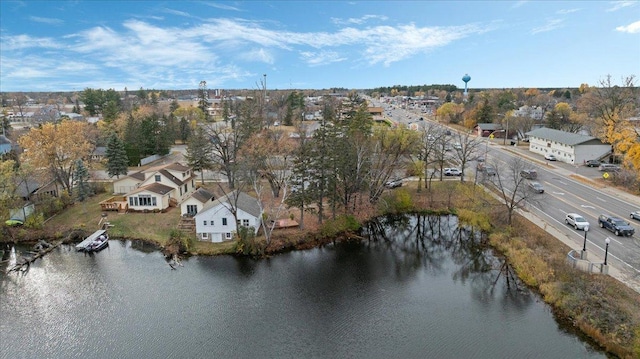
[[584, 244], [606, 249]]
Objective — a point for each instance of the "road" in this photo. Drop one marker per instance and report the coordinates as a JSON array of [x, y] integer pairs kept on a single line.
[[568, 189]]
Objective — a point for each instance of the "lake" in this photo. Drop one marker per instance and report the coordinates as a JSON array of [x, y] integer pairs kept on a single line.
[[414, 287]]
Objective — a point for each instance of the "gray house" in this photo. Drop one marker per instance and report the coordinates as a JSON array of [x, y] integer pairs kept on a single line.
[[566, 146]]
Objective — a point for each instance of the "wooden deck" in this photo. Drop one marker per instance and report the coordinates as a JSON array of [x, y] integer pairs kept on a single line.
[[115, 203]]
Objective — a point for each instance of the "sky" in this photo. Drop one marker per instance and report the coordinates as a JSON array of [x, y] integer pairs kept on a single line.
[[172, 45]]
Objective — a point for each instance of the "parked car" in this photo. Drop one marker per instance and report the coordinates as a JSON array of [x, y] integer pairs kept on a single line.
[[608, 167], [592, 163], [549, 157], [457, 146], [452, 172], [393, 184], [529, 174], [635, 215], [616, 225], [536, 186], [576, 220]]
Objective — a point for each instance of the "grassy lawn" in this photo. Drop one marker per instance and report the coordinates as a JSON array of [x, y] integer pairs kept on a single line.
[[154, 227]]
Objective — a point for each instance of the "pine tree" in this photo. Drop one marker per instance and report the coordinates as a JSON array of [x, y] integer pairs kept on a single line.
[[199, 151], [117, 160], [81, 181]]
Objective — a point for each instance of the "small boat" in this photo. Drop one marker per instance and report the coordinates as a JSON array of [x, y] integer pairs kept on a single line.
[[95, 242]]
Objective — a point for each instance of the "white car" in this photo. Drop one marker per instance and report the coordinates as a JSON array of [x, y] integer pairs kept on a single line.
[[576, 220], [452, 172], [635, 215], [549, 157]]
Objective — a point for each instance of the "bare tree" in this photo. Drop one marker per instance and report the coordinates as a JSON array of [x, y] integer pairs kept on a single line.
[[468, 149], [513, 189]]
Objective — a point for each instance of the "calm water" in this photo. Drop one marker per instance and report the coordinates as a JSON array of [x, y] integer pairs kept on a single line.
[[421, 289]]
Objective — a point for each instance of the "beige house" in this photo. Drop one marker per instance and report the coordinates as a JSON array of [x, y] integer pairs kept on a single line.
[[155, 188], [194, 204]]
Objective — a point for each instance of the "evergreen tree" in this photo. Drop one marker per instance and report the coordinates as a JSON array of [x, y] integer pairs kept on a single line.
[[199, 152], [81, 181], [117, 159]]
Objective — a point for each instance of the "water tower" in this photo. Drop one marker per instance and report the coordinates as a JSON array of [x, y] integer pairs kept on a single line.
[[466, 78]]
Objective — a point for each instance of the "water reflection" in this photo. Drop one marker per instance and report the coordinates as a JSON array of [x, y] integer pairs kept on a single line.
[[415, 287]]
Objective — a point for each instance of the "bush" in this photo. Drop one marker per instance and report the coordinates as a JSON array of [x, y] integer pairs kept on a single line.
[[398, 201], [344, 223], [35, 221]]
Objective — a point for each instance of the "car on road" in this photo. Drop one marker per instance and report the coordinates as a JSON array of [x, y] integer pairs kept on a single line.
[[617, 225], [487, 170], [592, 163], [635, 215], [549, 157], [393, 184], [529, 174], [452, 172], [536, 186], [576, 221]]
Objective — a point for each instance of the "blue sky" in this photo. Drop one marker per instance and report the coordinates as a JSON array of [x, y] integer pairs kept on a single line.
[[69, 46]]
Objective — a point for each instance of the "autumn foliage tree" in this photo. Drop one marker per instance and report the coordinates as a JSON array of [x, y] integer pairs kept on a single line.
[[55, 149]]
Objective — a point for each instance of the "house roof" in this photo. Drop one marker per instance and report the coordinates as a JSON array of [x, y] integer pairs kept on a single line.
[[138, 175], [489, 126], [202, 195], [566, 138], [158, 188], [242, 201]]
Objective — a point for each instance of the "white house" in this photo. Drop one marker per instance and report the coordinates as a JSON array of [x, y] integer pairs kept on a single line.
[[216, 222], [566, 146], [157, 188], [194, 204]]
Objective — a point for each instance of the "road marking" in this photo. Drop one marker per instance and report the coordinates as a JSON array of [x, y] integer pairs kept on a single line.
[[559, 193], [600, 199], [585, 206]]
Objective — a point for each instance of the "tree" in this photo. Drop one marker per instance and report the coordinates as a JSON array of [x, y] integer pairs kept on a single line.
[[450, 112], [512, 187], [56, 147], [199, 150], [117, 160], [81, 181]]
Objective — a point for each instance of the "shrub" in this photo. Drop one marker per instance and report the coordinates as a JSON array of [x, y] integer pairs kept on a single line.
[[398, 201], [344, 223], [35, 221]]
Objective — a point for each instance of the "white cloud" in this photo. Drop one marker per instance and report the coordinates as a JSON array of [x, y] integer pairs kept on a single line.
[[552, 24], [358, 21], [567, 11], [46, 20], [261, 55], [617, 5], [11, 43], [321, 57], [633, 28]]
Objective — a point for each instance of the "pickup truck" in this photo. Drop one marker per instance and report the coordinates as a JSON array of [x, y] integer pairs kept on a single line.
[[616, 225]]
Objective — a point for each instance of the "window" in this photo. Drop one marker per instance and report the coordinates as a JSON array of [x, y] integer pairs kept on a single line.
[[186, 188], [204, 235], [205, 223], [146, 200], [245, 222], [224, 221], [227, 235], [158, 178]]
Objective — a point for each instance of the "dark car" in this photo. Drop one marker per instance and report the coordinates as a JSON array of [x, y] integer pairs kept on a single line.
[[536, 187], [592, 163], [616, 225], [529, 174]]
